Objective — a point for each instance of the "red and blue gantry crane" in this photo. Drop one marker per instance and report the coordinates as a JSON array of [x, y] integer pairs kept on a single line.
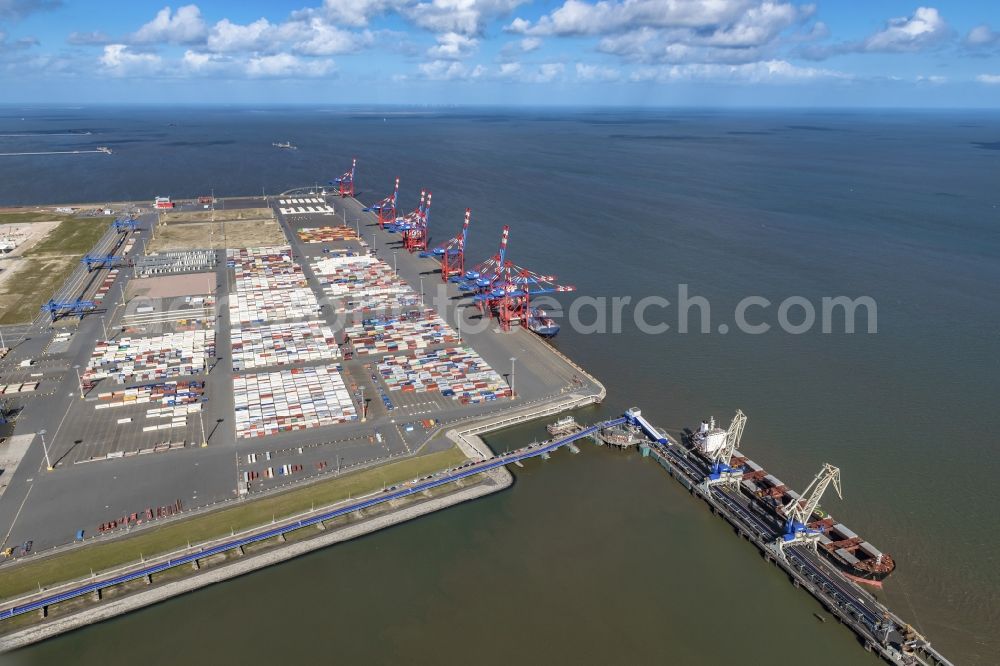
[[386, 209], [480, 276], [416, 236], [451, 253], [509, 298], [404, 222], [503, 289], [345, 184]]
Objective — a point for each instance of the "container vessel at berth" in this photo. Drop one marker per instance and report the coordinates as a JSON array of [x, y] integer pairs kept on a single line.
[[855, 557], [540, 323]]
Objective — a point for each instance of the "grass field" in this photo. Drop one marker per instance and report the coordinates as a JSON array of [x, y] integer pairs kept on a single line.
[[23, 578], [31, 216], [41, 271]]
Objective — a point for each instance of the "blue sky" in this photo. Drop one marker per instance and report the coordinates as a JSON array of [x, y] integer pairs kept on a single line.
[[505, 52]]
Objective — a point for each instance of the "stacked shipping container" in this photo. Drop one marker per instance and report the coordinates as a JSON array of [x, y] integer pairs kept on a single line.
[[456, 372], [418, 330], [158, 357], [295, 399], [282, 344]]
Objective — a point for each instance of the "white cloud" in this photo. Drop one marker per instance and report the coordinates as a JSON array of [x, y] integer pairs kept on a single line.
[[449, 70], [509, 70], [909, 33], [544, 73], [758, 25], [185, 26], [353, 13], [934, 79], [769, 71], [585, 72], [906, 34], [548, 72], [989, 79], [118, 60], [201, 64], [93, 38], [529, 44], [452, 46], [227, 36], [317, 37], [17, 45], [576, 17], [650, 45], [679, 31], [287, 66], [306, 36], [518, 47], [15, 10], [467, 17], [982, 36]]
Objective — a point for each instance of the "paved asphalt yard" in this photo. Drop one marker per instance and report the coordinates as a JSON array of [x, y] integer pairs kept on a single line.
[[86, 488]]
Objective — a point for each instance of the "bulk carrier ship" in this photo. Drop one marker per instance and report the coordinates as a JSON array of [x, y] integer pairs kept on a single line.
[[853, 556]]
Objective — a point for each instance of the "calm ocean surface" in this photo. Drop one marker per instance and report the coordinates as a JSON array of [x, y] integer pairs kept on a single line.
[[600, 558]]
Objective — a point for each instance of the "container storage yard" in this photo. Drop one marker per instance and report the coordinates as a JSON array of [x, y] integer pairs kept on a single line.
[[296, 399], [363, 283], [327, 234], [264, 268], [268, 286], [456, 372], [282, 344], [143, 359], [252, 307], [414, 331]]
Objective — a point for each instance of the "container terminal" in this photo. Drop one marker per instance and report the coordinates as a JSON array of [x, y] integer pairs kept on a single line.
[[206, 352]]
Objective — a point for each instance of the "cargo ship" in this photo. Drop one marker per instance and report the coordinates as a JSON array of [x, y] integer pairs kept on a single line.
[[541, 324], [853, 556], [287, 145]]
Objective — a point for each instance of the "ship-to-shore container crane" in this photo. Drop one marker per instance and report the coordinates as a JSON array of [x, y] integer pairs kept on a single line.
[[345, 183], [386, 209], [509, 294], [416, 236], [480, 276], [451, 253]]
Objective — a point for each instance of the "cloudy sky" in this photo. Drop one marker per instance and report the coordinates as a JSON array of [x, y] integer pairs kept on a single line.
[[601, 52]]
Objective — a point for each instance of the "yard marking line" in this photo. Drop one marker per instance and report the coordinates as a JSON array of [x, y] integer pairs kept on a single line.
[[55, 435], [14, 522]]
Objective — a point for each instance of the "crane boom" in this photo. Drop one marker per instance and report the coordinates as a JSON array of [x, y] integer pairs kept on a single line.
[[733, 436], [801, 510]]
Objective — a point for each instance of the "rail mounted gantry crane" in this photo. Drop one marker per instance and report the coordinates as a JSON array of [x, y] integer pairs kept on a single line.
[[59, 309], [98, 261], [451, 253], [124, 225]]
